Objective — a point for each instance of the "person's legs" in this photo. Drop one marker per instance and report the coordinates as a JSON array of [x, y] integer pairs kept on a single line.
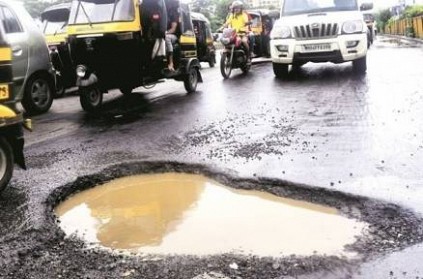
[[244, 41], [169, 51]]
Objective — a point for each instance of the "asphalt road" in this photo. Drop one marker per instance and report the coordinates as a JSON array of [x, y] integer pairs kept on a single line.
[[323, 128]]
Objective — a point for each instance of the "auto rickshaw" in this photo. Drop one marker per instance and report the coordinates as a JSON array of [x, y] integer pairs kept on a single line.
[[55, 20], [11, 119], [120, 44], [206, 50], [262, 21]]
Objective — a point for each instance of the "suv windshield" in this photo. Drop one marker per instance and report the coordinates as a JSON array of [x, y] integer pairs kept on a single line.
[[295, 7], [96, 11]]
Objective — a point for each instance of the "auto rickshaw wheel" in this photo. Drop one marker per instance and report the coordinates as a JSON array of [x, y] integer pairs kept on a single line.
[[191, 80], [60, 88], [91, 99], [225, 65], [6, 163], [38, 94]]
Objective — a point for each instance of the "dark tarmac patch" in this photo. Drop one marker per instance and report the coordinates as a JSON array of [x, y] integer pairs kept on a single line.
[[43, 160], [45, 253]]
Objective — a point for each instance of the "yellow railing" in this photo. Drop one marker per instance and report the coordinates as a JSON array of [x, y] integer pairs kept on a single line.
[[403, 26]]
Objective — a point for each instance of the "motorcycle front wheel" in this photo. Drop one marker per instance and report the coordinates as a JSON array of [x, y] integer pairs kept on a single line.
[[6, 163], [225, 65]]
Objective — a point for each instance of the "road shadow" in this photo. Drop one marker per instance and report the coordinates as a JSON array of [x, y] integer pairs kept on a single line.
[[327, 73], [121, 110]]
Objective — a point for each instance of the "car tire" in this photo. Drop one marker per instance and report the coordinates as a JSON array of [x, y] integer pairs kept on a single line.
[[6, 163], [360, 65], [38, 94], [280, 70]]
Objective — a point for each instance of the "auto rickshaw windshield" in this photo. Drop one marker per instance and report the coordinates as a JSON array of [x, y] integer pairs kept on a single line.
[[55, 21], [101, 11], [52, 27]]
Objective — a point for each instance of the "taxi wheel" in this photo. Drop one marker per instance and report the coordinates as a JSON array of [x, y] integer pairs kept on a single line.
[[38, 94], [6, 163], [91, 99], [191, 80]]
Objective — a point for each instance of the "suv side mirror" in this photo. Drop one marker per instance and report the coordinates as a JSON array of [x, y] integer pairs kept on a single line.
[[366, 6]]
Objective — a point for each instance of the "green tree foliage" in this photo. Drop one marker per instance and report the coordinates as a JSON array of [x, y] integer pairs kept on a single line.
[[382, 18], [412, 11], [35, 7], [215, 10]]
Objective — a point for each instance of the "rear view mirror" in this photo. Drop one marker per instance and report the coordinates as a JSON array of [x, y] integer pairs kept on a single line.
[[366, 6]]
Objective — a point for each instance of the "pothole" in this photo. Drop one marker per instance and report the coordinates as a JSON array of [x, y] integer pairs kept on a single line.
[[189, 214]]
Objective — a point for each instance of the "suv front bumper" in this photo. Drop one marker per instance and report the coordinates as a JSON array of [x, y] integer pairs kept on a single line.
[[337, 50]]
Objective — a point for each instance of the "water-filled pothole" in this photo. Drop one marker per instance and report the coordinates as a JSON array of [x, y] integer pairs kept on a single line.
[[175, 213]]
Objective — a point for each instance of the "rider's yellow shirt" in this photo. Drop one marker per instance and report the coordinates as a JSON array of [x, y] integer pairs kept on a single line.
[[238, 22]]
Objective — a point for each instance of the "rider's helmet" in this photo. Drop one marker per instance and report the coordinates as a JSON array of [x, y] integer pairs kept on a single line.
[[237, 4]]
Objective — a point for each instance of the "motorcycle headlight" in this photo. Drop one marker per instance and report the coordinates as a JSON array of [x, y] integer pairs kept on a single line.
[[81, 71], [354, 26], [280, 32]]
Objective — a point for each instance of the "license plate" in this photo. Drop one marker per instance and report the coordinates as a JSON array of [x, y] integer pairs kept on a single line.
[[316, 47], [4, 91]]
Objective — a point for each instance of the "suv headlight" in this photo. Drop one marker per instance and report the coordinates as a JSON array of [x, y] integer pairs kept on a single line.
[[280, 32], [354, 26]]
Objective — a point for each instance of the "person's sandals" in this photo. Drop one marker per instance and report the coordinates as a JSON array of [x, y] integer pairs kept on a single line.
[[169, 72]]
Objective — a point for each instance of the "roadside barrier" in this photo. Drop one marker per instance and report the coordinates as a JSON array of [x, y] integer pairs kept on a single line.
[[411, 27]]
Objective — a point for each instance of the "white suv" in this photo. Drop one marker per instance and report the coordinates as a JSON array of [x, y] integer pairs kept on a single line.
[[319, 31]]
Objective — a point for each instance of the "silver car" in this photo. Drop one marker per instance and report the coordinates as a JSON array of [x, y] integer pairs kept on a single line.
[[32, 70]]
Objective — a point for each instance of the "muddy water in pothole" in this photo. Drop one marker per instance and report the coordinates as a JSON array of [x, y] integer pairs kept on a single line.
[[190, 214]]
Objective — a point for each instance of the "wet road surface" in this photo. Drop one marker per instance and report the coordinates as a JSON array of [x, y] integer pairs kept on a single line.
[[323, 127]]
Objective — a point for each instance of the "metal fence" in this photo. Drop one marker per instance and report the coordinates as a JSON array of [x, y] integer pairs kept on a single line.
[[412, 27]]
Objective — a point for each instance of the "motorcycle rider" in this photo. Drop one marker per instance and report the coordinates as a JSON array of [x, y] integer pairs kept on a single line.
[[238, 19]]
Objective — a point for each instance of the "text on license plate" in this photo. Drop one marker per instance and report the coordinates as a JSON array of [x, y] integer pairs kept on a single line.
[[317, 47], [4, 91]]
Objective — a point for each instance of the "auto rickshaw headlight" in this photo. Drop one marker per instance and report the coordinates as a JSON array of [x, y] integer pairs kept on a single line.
[[81, 71]]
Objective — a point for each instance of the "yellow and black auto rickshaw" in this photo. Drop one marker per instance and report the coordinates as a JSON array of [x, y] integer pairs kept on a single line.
[[55, 20], [11, 120], [262, 21], [206, 50], [120, 44]]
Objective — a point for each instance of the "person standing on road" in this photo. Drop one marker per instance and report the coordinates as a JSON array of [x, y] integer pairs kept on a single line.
[[171, 32]]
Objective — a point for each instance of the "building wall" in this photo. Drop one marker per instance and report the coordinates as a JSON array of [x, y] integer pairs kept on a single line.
[[263, 3]]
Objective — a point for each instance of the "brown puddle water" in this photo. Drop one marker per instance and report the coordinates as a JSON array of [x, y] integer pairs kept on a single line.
[[190, 214]]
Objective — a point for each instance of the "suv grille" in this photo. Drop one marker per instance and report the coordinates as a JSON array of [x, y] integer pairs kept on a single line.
[[316, 30]]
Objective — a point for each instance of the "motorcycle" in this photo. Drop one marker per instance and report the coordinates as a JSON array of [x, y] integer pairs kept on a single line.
[[234, 54]]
